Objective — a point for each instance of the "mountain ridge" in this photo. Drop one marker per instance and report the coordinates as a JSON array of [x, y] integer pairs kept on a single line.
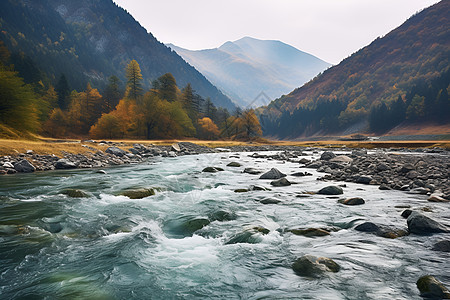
[[246, 67]]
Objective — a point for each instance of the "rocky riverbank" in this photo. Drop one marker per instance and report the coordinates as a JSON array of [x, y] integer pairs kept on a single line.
[[422, 171]]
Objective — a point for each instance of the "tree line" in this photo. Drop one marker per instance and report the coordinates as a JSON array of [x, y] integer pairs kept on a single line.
[[163, 111]]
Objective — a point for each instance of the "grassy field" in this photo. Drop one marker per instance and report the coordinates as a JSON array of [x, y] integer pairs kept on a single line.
[[51, 146]]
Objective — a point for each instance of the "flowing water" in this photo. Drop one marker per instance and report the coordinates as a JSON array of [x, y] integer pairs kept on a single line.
[[107, 246]]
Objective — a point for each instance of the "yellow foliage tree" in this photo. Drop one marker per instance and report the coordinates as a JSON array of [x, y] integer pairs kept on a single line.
[[207, 129]]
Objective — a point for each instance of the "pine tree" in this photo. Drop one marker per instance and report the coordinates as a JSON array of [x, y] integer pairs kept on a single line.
[[63, 91], [134, 80], [112, 94], [166, 87]]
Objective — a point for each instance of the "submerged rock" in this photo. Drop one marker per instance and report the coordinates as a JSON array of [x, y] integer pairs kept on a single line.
[[430, 287], [222, 215], [281, 182], [269, 201], [352, 201], [443, 246], [138, 193], [193, 225], [252, 171], [241, 190], [249, 236], [310, 232], [312, 266], [381, 231], [75, 193], [301, 174], [234, 164], [367, 227], [272, 174], [420, 224], [331, 190]]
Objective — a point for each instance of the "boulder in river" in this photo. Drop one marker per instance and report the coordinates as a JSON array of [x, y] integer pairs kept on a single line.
[[382, 231], [270, 201], [443, 246], [341, 159], [64, 164], [281, 182], [272, 174], [301, 174], [331, 190], [420, 224], [363, 179], [212, 169], [327, 155], [352, 201], [241, 190], [234, 164], [432, 288], [115, 151], [312, 266], [310, 232], [138, 193], [24, 166], [249, 236]]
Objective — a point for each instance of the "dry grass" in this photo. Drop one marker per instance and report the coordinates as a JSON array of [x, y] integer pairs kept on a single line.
[[51, 146]]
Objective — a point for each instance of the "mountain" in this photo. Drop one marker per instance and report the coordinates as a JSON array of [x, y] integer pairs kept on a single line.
[[244, 68], [90, 40], [402, 77]]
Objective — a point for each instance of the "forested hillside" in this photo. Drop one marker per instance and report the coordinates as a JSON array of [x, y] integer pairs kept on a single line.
[[88, 41], [401, 77]]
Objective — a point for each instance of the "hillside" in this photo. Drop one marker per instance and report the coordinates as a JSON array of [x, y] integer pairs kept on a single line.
[[244, 68], [89, 41], [401, 77]]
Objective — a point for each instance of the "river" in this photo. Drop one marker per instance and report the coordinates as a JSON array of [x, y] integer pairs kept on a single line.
[[107, 246]]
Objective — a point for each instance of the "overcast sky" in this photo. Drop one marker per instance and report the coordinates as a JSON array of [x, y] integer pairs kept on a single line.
[[328, 29]]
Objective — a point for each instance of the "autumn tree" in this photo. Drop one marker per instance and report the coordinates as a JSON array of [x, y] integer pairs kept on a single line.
[[250, 127], [56, 125], [108, 126], [134, 80], [207, 129], [48, 101]]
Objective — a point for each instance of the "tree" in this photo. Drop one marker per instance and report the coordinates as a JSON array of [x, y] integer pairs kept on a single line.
[[18, 102], [166, 87], [108, 126], [112, 93], [48, 101], [416, 109], [207, 129], [210, 109], [134, 80], [63, 91], [250, 124], [56, 125]]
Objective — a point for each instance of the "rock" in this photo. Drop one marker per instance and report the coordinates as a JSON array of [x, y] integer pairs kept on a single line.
[[341, 159], [420, 224], [272, 174], [24, 166], [430, 287], [406, 213], [304, 161], [116, 151], [75, 193], [64, 164], [234, 164], [382, 167], [196, 224], [30, 152], [270, 201], [241, 190], [258, 188], [175, 147], [212, 169], [312, 266], [436, 198], [8, 165], [363, 179], [412, 174], [310, 232], [331, 190], [250, 236], [384, 187], [352, 201], [222, 215], [359, 152], [327, 155], [367, 227], [252, 171], [301, 174], [138, 193], [407, 168], [281, 182], [443, 246], [101, 172]]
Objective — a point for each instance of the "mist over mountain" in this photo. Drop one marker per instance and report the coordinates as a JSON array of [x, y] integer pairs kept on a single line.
[[244, 68], [90, 40]]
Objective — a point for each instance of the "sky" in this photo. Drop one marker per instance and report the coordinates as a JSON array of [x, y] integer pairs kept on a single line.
[[329, 29]]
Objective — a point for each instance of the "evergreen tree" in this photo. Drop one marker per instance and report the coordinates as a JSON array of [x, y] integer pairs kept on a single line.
[[166, 87], [63, 91], [112, 94], [134, 80]]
